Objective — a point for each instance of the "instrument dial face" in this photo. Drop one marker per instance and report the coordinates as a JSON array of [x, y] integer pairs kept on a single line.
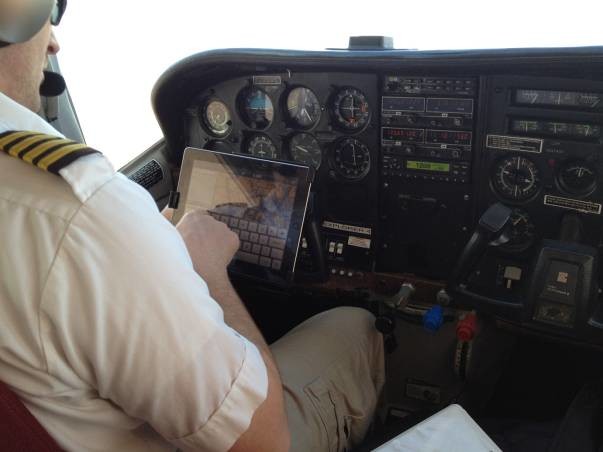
[[516, 178], [257, 108], [577, 177], [261, 146], [351, 159], [523, 232], [216, 118], [303, 107], [350, 109], [304, 148]]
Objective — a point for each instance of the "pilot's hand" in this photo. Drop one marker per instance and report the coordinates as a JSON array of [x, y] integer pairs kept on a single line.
[[168, 213], [210, 244]]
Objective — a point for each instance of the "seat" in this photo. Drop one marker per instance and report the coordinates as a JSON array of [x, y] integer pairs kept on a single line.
[[19, 430]]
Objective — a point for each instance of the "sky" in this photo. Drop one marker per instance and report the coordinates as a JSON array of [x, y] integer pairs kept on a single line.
[[113, 52]]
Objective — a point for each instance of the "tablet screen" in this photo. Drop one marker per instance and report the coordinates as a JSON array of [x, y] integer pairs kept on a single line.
[[263, 201]]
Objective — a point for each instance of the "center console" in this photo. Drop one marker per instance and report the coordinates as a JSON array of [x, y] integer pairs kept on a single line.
[[427, 144]]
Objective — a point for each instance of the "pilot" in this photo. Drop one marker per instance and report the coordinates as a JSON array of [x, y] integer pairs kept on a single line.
[[121, 332]]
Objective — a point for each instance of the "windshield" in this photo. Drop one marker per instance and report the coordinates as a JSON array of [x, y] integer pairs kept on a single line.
[[113, 52]]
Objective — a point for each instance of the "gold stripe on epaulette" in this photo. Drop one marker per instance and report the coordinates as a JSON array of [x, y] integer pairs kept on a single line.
[[47, 152], [15, 149], [35, 152], [57, 155], [12, 136]]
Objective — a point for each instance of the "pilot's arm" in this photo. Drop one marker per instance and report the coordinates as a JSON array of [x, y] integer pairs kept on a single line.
[[127, 318], [211, 246]]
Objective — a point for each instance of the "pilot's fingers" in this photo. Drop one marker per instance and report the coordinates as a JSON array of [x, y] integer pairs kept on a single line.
[[168, 213]]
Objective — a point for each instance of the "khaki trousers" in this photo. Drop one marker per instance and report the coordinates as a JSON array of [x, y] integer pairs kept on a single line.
[[332, 368]]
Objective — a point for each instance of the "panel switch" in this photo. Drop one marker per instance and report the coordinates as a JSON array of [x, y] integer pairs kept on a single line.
[[331, 247], [512, 274]]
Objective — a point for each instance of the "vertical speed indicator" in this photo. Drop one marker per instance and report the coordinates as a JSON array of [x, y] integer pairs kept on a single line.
[[304, 148]]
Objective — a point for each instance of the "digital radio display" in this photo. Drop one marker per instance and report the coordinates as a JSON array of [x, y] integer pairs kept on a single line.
[[402, 135], [556, 128], [448, 137], [428, 166], [557, 98], [391, 105], [443, 105]]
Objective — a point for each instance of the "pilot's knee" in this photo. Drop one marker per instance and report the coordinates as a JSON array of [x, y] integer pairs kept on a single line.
[[357, 324], [356, 320], [349, 315]]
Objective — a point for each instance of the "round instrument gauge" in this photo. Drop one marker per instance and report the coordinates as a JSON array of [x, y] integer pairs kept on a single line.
[[256, 108], [304, 148], [351, 159], [516, 178], [303, 107], [577, 177], [216, 118], [350, 109], [522, 233], [263, 147]]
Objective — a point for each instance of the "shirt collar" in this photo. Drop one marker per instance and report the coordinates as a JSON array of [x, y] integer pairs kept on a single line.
[[85, 175], [14, 116]]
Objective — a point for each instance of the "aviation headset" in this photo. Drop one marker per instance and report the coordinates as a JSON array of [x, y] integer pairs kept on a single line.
[[27, 18], [23, 22]]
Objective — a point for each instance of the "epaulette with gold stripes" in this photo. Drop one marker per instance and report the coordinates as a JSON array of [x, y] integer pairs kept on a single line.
[[47, 152]]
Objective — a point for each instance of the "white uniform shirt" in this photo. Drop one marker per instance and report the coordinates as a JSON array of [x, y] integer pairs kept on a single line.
[[107, 333]]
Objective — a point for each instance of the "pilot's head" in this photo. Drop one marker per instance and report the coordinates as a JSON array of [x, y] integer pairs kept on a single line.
[[26, 40]]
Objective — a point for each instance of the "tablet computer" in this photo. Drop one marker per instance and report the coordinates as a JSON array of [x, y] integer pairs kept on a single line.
[[263, 201]]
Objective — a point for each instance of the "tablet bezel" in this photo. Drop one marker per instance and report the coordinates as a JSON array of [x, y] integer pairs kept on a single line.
[[304, 175]]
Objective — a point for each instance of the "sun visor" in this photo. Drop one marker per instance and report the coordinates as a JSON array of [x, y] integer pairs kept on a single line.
[[20, 20]]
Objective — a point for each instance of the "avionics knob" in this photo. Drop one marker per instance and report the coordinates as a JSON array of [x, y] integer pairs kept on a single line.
[[409, 149], [411, 119]]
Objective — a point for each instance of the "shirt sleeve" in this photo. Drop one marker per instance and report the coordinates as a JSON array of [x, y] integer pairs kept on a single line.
[[125, 312]]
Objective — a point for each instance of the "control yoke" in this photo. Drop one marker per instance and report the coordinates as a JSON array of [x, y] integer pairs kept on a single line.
[[492, 230], [562, 290]]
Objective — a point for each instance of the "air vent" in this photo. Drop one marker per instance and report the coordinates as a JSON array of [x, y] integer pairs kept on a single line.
[[148, 175]]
